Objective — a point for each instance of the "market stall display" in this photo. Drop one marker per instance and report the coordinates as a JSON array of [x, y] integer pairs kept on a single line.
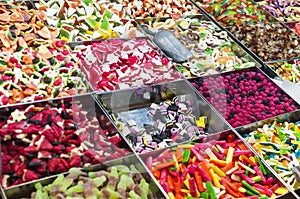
[[218, 168], [213, 50], [244, 96], [92, 107]]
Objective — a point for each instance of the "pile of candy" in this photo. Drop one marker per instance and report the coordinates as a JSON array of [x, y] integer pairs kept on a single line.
[[215, 169], [276, 42], [278, 144], [229, 13], [48, 138], [22, 26], [39, 73], [114, 182], [169, 120], [88, 20], [212, 49], [119, 64], [284, 11], [244, 96], [288, 70], [159, 8]]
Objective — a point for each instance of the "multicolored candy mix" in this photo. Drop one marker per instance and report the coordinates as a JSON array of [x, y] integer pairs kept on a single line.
[[159, 8], [229, 13], [212, 49], [47, 71], [88, 19], [284, 11], [44, 139], [278, 144], [215, 169], [289, 70], [119, 64], [21, 26]]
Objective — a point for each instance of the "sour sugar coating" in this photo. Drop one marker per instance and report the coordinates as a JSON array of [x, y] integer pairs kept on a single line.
[[212, 49], [157, 8], [244, 96], [169, 120], [120, 64], [284, 11], [45, 139], [216, 169], [229, 13], [116, 182], [278, 144], [276, 42], [288, 70], [88, 20]]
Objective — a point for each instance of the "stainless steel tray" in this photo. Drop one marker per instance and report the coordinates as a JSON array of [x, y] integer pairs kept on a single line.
[[24, 191], [222, 136]]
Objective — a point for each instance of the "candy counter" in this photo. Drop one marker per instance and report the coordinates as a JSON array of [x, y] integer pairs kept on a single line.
[[93, 103]]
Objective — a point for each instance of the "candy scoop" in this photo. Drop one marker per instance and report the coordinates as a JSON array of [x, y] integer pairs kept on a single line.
[[170, 45]]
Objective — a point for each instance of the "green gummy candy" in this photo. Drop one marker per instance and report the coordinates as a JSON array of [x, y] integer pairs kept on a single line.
[[76, 171], [204, 195], [77, 189], [99, 181], [97, 193], [144, 186], [211, 190], [38, 186], [41, 195], [123, 169], [133, 195], [58, 180], [113, 194], [105, 23], [122, 185], [66, 183], [74, 197], [114, 172], [107, 14]]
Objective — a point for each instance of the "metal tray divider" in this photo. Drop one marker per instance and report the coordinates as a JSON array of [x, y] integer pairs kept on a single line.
[[134, 152]]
